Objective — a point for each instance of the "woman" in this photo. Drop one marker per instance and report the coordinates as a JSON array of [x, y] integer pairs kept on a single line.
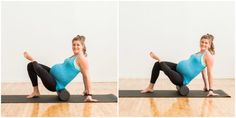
[[57, 77], [186, 70]]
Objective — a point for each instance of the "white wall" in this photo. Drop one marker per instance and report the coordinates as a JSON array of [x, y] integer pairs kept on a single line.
[[172, 30], [45, 29]]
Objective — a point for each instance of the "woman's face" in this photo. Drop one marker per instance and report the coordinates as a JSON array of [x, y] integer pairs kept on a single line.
[[77, 47], [204, 44]]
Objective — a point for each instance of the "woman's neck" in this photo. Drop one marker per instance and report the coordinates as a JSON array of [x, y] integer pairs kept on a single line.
[[202, 51], [79, 54]]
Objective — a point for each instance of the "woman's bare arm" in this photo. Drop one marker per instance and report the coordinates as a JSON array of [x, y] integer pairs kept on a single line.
[[84, 67], [209, 63], [204, 77]]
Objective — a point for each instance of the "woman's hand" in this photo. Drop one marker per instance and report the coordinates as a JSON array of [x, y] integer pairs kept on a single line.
[[211, 93], [90, 99]]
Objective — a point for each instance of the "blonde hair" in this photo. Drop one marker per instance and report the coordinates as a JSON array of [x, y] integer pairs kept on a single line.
[[82, 41], [210, 38]]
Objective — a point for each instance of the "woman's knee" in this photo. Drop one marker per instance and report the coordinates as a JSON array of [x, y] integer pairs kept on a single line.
[[156, 63], [30, 66], [162, 65]]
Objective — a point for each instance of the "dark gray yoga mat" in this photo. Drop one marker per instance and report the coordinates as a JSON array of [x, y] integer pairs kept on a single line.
[[170, 93], [104, 98]]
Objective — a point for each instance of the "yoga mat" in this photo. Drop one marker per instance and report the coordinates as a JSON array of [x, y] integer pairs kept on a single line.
[[170, 93], [104, 98]]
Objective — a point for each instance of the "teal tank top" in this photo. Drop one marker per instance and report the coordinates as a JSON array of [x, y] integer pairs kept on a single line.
[[65, 72], [190, 68]]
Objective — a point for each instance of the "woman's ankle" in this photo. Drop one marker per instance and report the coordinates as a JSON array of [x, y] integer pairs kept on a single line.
[[151, 86]]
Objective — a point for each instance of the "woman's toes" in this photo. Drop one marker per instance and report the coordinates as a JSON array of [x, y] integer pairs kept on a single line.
[[33, 95], [147, 91]]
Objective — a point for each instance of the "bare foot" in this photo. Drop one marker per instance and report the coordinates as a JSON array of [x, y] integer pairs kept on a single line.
[[147, 90], [33, 95], [154, 56], [28, 56]]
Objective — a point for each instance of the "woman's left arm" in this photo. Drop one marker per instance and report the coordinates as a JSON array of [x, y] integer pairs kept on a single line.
[[204, 77], [84, 67], [209, 63]]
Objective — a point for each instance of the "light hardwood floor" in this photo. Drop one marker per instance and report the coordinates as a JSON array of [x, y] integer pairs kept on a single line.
[[127, 106], [176, 106], [58, 109]]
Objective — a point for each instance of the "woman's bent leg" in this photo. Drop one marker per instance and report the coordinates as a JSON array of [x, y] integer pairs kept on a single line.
[[170, 70], [43, 72]]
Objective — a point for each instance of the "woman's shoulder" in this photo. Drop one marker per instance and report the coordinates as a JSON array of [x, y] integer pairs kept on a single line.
[[82, 62], [208, 54], [209, 57], [81, 58]]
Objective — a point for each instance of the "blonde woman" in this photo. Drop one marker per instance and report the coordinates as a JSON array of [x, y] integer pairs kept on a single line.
[[182, 73], [60, 75]]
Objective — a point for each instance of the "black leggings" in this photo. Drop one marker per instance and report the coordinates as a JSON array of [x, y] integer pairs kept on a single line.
[[35, 69], [169, 69]]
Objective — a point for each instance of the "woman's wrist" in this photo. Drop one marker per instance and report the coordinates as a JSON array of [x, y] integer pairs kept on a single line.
[[87, 94]]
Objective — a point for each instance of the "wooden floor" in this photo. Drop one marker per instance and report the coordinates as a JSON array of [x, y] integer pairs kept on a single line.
[[197, 107], [58, 109], [127, 106]]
